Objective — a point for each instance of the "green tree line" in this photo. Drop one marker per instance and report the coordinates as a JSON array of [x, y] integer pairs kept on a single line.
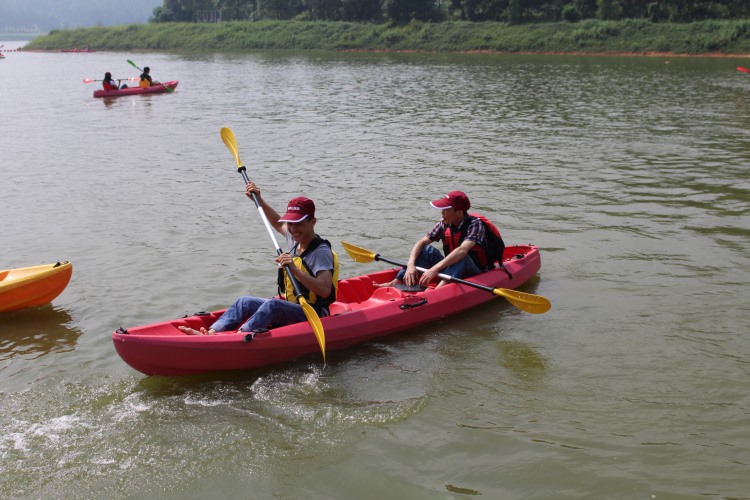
[[403, 11]]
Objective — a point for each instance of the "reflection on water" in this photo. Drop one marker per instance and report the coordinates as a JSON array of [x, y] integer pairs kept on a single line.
[[34, 332], [526, 363]]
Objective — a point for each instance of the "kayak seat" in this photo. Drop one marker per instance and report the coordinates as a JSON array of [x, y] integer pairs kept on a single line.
[[387, 294], [338, 308], [354, 290], [344, 293], [198, 320]]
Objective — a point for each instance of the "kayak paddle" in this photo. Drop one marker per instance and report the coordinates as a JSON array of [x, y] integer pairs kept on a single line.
[[533, 304], [131, 79], [312, 317], [169, 90], [743, 70]]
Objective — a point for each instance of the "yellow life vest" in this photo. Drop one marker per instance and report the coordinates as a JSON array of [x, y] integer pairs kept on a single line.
[[144, 83], [318, 303]]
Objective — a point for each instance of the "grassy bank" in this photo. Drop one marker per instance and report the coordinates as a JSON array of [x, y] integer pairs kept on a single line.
[[635, 36]]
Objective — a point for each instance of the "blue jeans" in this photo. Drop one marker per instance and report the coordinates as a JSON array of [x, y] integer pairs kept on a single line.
[[429, 256], [261, 313]]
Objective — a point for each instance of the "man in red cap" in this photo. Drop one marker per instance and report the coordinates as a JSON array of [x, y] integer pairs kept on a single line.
[[464, 240], [311, 260]]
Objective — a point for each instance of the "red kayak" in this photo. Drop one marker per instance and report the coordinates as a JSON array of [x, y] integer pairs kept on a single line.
[[157, 88], [362, 312]]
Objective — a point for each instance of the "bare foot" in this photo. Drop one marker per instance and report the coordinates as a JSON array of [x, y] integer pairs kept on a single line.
[[390, 283], [192, 331], [442, 283]]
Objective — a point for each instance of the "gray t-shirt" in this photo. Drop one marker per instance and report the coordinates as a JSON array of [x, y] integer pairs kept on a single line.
[[320, 259]]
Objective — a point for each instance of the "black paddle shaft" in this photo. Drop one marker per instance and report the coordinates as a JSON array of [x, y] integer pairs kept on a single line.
[[441, 275]]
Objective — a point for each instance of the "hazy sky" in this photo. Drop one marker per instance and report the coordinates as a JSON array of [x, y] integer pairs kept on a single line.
[[57, 14]]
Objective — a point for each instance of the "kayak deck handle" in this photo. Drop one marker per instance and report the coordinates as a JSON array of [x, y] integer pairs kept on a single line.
[[404, 307], [258, 331]]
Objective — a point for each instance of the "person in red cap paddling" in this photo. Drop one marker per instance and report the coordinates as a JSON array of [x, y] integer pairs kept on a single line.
[[312, 262], [464, 240]]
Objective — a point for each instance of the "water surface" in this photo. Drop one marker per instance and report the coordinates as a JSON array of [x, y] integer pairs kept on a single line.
[[629, 173]]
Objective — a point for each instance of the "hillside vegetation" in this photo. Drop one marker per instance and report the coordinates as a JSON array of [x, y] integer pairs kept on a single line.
[[403, 11], [590, 36]]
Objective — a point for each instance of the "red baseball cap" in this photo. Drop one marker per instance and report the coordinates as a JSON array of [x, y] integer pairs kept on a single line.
[[298, 210], [455, 199]]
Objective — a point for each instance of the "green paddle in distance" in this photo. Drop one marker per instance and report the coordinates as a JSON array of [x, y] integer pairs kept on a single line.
[[169, 90], [530, 303], [312, 317]]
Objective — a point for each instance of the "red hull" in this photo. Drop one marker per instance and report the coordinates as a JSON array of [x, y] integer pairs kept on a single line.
[[153, 89], [361, 313]]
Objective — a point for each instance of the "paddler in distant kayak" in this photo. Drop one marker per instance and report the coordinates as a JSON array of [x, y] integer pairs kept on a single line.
[[146, 80], [313, 263], [108, 82]]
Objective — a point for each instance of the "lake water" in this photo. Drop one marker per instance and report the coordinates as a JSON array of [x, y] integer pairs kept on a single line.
[[631, 175]]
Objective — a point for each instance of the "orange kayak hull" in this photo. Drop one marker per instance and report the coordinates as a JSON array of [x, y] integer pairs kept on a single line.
[[33, 286]]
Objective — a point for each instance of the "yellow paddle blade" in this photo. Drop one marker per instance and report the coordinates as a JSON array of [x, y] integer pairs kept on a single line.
[[231, 141], [358, 254], [317, 326], [533, 304]]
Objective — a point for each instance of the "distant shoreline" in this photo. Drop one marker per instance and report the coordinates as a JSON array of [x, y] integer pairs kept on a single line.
[[631, 37], [19, 37], [718, 55], [562, 53]]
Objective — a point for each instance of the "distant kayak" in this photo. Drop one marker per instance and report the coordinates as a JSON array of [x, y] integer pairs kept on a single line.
[[157, 88], [33, 286]]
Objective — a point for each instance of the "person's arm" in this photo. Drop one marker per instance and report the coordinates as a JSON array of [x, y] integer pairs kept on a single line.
[[320, 284], [455, 256], [271, 214], [474, 233], [411, 277]]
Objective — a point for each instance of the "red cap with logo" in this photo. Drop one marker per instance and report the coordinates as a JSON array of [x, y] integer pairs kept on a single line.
[[455, 199], [298, 210]]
